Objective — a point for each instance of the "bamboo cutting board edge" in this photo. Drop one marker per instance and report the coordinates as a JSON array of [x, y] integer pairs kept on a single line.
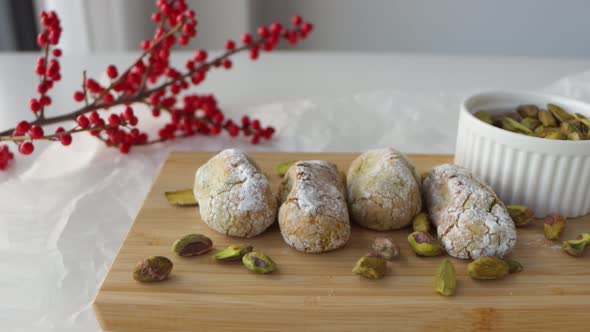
[[334, 296]]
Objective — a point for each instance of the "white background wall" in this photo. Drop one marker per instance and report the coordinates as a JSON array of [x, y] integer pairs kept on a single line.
[[499, 27]]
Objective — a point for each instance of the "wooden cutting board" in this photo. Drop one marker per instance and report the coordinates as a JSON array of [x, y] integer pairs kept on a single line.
[[318, 291]]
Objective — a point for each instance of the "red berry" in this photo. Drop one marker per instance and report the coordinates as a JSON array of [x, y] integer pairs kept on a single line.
[[128, 113], [114, 120], [59, 130], [36, 132], [292, 38], [34, 105], [227, 64], [230, 45], [156, 112], [262, 31], [66, 139], [183, 40], [94, 117], [245, 121], [42, 39], [233, 130], [45, 100], [124, 148], [26, 148], [83, 121], [22, 127], [215, 129], [275, 28], [145, 44], [256, 124], [156, 17], [296, 19], [78, 96], [133, 121], [108, 98], [255, 139], [112, 72], [200, 55], [246, 38], [307, 27], [254, 53]]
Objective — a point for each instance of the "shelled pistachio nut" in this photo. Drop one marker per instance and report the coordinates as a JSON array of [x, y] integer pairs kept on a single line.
[[484, 116], [424, 245], [488, 268], [233, 252], [577, 247], [514, 266], [421, 223], [258, 262], [520, 214], [547, 119], [445, 280], [528, 111], [192, 245], [559, 113], [151, 269], [282, 168], [370, 267], [183, 197], [554, 225], [530, 123]]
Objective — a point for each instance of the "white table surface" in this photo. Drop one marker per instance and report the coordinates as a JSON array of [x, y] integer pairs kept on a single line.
[[65, 212]]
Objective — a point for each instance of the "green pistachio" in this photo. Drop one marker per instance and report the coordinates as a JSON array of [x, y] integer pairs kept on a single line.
[[155, 268], [528, 111], [283, 167], [514, 266], [181, 197], [192, 245], [421, 223], [370, 267], [520, 214], [510, 124], [547, 118], [233, 252], [488, 268], [554, 225], [530, 123], [577, 247], [559, 113], [445, 280], [258, 262], [484, 116], [424, 245]]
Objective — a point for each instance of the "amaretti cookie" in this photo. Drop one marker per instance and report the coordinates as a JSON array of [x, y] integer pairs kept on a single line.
[[234, 196], [313, 216], [470, 219], [383, 190]]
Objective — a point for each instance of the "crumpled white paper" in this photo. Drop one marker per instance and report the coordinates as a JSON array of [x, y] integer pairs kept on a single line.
[[64, 215]]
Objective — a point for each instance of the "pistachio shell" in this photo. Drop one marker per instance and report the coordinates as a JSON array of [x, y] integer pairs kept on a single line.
[[445, 281], [183, 197]]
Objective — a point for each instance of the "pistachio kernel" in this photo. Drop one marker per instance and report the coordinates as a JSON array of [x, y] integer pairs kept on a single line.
[[547, 118], [554, 225], [370, 267], [233, 252], [424, 245], [510, 124], [282, 168], [484, 116], [445, 280], [421, 223], [192, 245], [488, 268], [514, 266], [528, 111], [554, 135], [559, 113], [530, 123], [151, 269], [520, 214], [258, 262], [584, 120], [577, 247], [183, 197], [384, 247]]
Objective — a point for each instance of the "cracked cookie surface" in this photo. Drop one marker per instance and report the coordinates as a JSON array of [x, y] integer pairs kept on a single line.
[[470, 219], [383, 190], [235, 198], [313, 216]]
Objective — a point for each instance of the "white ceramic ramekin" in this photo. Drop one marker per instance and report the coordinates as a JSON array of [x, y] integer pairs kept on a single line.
[[546, 175]]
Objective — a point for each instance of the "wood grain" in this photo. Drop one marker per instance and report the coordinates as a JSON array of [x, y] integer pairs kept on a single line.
[[318, 292]]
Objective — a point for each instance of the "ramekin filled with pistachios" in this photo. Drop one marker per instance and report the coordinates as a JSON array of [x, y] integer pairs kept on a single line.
[[533, 149]]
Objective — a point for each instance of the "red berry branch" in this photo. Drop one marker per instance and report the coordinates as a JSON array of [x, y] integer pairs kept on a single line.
[[150, 80]]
